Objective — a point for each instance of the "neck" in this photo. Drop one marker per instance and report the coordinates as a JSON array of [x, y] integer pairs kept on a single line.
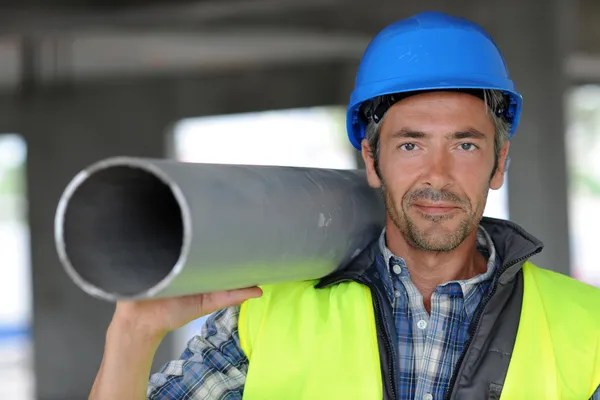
[[429, 269]]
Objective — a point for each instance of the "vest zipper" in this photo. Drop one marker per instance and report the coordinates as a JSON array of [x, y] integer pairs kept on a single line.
[[475, 323]]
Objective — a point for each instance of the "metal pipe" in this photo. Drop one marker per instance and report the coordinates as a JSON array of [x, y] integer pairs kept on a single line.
[[131, 228]]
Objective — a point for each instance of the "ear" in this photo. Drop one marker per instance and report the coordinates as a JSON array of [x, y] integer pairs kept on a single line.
[[367, 154], [498, 178]]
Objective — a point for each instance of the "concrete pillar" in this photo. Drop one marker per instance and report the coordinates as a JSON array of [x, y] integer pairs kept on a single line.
[[67, 129], [535, 40]]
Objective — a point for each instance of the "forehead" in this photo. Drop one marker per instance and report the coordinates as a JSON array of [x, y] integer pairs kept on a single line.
[[431, 112]]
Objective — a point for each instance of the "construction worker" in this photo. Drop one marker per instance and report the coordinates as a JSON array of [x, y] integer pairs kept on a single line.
[[446, 304]]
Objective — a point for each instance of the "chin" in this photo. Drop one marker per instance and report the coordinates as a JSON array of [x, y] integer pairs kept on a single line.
[[437, 239], [436, 234]]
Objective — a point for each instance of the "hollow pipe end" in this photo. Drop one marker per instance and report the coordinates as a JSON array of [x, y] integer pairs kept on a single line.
[[146, 165]]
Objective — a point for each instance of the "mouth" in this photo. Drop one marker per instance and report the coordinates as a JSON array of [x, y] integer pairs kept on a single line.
[[435, 208]]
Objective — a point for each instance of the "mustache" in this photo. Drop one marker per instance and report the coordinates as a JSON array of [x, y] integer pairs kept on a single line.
[[434, 195]]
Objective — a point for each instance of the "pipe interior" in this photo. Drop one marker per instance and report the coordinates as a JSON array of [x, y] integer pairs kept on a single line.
[[123, 230]]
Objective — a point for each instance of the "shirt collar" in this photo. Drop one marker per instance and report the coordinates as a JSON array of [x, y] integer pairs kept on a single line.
[[485, 245]]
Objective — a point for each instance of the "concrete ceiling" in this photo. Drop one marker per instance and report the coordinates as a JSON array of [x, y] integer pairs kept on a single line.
[[70, 39]]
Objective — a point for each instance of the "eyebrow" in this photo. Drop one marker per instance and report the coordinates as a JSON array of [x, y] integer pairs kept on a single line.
[[470, 133], [408, 133]]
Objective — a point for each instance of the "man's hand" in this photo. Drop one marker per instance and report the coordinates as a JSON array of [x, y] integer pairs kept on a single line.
[[157, 317]]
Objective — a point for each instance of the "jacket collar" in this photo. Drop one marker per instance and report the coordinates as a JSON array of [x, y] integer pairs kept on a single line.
[[513, 245]]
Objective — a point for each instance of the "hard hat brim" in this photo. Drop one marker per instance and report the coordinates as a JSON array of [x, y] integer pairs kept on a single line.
[[356, 128]]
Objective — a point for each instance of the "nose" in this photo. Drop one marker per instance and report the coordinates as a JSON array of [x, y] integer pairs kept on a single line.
[[438, 169]]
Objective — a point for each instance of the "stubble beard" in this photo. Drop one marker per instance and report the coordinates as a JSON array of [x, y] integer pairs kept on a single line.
[[420, 238]]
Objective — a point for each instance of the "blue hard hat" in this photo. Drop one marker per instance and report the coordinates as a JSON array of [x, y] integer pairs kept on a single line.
[[429, 51]]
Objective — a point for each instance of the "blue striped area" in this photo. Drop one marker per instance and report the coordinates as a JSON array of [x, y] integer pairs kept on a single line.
[[14, 332]]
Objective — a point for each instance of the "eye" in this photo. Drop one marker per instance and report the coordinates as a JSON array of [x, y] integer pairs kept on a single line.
[[467, 146], [408, 146]]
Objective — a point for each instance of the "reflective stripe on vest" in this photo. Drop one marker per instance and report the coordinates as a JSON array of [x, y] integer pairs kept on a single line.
[[307, 343]]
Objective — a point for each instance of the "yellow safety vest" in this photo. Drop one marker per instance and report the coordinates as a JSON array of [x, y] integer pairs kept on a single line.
[[305, 343]]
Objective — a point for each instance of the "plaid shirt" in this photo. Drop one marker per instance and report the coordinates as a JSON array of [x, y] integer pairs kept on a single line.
[[213, 366], [430, 344]]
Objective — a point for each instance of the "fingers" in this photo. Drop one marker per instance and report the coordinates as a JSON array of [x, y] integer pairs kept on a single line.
[[245, 294], [218, 300]]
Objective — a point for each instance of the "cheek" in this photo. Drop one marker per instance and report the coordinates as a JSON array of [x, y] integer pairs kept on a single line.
[[474, 180], [397, 175], [476, 166]]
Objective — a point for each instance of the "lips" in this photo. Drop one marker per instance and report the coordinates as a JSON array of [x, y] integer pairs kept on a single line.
[[435, 208]]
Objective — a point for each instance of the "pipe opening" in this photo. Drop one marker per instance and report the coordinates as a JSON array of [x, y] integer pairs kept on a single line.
[[123, 230]]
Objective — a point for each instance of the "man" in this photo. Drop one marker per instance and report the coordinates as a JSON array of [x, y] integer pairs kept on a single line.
[[444, 305]]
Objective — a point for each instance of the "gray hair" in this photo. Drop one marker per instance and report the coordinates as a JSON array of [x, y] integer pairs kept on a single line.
[[494, 100]]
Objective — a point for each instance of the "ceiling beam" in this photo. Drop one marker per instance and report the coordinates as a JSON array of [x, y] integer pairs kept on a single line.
[[173, 16]]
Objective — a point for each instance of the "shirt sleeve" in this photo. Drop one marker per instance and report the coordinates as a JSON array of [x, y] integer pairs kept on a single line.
[[212, 367]]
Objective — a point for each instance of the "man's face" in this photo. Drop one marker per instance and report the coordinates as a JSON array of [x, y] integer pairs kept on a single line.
[[436, 158]]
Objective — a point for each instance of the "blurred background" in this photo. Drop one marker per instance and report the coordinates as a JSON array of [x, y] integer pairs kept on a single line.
[[255, 82]]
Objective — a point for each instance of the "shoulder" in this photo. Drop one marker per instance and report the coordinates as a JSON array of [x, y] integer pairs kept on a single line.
[[566, 284], [282, 297], [564, 293], [294, 295]]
